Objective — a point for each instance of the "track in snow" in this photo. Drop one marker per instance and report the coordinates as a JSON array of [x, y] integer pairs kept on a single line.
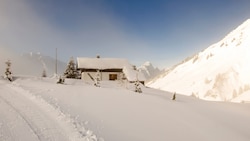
[[26, 117]]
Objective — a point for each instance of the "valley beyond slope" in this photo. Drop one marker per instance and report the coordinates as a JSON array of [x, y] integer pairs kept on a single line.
[[221, 72]]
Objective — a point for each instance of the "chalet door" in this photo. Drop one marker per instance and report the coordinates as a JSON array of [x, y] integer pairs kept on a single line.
[[112, 76]]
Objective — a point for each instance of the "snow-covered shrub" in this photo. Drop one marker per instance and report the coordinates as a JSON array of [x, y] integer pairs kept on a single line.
[[61, 80], [174, 96], [137, 86], [44, 74]]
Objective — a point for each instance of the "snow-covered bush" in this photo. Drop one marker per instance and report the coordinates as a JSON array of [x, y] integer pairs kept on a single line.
[[61, 80], [44, 74], [174, 96], [137, 86]]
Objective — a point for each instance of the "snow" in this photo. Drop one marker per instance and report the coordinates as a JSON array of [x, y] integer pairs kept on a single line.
[[35, 108], [102, 63], [243, 98], [33, 118], [219, 73]]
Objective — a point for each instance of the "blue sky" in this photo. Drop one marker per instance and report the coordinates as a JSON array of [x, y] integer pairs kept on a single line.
[[163, 32]]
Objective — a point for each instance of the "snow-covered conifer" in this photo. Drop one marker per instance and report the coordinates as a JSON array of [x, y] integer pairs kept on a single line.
[[8, 72], [71, 71]]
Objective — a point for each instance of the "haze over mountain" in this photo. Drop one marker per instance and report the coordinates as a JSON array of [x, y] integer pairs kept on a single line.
[[220, 72], [31, 63]]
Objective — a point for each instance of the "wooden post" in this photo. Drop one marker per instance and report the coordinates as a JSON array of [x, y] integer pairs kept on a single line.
[[56, 63]]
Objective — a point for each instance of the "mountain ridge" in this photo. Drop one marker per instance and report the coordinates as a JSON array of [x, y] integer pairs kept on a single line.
[[220, 72], [149, 70]]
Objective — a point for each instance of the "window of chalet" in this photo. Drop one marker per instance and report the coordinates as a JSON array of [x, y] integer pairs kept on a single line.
[[112, 76]]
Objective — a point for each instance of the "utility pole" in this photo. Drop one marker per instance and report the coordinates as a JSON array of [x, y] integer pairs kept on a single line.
[[56, 63]]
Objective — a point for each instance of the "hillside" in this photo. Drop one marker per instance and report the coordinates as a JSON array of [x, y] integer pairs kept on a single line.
[[220, 72]]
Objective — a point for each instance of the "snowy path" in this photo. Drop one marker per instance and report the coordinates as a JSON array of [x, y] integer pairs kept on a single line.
[[13, 127], [26, 117], [40, 125]]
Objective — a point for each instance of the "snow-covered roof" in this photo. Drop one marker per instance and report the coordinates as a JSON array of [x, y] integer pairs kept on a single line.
[[102, 63]]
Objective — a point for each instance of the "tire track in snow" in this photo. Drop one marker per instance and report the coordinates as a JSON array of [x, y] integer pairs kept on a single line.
[[41, 124], [22, 116], [62, 125], [11, 125]]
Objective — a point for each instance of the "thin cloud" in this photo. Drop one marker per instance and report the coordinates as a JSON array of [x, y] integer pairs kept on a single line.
[[26, 29]]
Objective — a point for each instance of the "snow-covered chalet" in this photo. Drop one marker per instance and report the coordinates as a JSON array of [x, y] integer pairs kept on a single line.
[[109, 68]]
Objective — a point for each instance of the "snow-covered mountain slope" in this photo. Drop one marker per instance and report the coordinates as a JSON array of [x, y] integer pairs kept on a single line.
[[31, 64], [39, 109], [220, 72], [149, 70]]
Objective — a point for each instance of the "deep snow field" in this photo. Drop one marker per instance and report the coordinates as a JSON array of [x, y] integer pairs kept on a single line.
[[38, 109]]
